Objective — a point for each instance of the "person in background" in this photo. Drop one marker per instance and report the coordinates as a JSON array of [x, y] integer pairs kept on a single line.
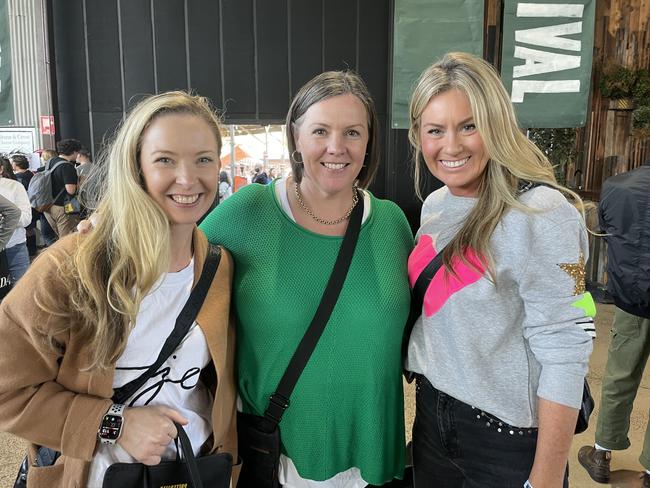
[[624, 214], [46, 155], [20, 165], [84, 168], [260, 176], [47, 233], [23, 174], [16, 250], [9, 220], [225, 188], [64, 186], [502, 345], [84, 164], [95, 310], [344, 427]]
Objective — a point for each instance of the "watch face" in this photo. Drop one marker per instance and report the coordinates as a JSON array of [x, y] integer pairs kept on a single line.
[[111, 426]]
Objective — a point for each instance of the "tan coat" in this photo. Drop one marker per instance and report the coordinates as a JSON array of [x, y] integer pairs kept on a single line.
[[51, 401]]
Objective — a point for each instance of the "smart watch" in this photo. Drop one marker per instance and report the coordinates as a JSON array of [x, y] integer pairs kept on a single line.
[[111, 426]]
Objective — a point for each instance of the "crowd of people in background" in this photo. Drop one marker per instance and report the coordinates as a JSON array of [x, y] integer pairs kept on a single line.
[[36, 230]]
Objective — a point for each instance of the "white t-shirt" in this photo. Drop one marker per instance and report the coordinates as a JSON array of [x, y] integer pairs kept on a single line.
[[15, 192], [225, 190], [176, 384]]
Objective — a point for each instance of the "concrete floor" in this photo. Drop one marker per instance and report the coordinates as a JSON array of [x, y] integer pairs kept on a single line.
[[625, 465]]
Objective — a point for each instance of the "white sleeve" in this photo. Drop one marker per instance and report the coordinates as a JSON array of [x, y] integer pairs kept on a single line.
[[21, 199]]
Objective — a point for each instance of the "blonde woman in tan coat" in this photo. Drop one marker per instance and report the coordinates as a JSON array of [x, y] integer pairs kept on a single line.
[[93, 311]]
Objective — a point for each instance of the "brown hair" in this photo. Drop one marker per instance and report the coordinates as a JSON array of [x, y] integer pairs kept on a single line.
[[327, 85]]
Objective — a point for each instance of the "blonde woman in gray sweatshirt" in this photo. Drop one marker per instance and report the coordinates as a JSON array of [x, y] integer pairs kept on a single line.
[[502, 346]]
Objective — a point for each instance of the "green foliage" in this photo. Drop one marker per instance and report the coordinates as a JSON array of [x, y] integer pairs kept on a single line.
[[641, 91], [559, 146], [641, 117], [617, 82], [620, 82]]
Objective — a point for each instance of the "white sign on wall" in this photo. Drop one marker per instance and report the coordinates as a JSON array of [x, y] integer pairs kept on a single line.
[[18, 139]]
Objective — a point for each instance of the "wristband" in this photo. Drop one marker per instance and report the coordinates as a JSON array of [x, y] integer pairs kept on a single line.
[[112, 422]]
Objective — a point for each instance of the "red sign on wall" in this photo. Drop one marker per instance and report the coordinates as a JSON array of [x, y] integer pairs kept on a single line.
[[47, 125]]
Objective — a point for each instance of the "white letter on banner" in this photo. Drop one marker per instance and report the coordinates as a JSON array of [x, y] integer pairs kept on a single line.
[[550, 36], [538, 62], [521, 87], [549, 10]]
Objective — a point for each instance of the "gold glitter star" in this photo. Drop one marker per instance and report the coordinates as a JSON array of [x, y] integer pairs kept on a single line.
[[577, 272]]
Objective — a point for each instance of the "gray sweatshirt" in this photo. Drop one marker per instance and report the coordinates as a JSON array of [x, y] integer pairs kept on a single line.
[[499, 347]]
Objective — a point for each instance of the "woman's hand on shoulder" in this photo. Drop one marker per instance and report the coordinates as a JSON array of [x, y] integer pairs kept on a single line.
[[86, 225], [148, 431]]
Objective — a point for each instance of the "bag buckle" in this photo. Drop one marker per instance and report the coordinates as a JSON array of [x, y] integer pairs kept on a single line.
[[277, 405]]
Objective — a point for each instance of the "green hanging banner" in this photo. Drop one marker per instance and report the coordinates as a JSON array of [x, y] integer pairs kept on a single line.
[[6, 98], [424, 30], [546, 60]]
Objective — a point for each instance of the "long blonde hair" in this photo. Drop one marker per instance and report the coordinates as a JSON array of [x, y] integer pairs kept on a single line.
[[513, 158], [118, 263]]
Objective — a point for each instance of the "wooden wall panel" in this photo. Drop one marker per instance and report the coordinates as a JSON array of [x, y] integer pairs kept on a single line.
[[622, 36]]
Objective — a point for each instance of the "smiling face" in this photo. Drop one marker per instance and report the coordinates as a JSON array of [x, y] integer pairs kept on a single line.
[[332, 137], [180, 164], [451, 145]]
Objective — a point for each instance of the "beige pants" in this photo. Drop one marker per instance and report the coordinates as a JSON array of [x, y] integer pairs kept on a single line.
[[61, 222]]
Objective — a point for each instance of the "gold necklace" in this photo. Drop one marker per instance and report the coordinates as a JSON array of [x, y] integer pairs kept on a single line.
[[303, 205]]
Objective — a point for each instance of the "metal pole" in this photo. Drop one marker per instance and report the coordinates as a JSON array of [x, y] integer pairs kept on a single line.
[[266, 147], [232, 154]]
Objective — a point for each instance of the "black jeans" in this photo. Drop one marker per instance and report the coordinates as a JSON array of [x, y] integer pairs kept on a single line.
[[458, 446]]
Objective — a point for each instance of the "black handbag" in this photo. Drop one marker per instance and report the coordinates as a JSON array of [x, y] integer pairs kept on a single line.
[[259, 436], [72, 206], [211, 471], [46, 456], [586, 407]]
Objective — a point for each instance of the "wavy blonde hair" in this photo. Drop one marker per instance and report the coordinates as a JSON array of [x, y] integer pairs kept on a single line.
[[513, 158], [118, 263]]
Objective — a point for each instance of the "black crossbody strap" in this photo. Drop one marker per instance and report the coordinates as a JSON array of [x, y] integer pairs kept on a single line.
[[417, 296], [183, 323], [279, 401], [427, 274], [423, 281]]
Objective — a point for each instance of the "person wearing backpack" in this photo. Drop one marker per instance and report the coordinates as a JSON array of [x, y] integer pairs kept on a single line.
[[64, 187]]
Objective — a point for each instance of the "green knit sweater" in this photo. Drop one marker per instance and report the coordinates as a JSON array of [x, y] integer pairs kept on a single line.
[[347, 408]]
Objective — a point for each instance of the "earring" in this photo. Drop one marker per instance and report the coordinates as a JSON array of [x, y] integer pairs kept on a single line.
[[297, 157]]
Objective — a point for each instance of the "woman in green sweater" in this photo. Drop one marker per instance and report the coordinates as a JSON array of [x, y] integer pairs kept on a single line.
[[344, 426]]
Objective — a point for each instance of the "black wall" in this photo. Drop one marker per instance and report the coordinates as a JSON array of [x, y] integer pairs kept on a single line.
[[248, 56]]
